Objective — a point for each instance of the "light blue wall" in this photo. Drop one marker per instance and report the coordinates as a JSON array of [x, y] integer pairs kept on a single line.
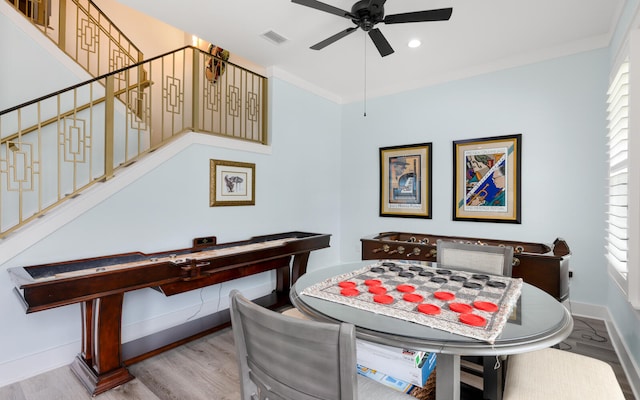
[[559, 108], [297, 188], [626, 321]]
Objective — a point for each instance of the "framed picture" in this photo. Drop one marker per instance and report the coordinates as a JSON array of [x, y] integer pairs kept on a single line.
[[486, 179], [232, 183], [405, 181]]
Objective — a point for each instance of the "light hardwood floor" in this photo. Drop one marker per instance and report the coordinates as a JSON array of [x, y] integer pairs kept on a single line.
[[206, 369]]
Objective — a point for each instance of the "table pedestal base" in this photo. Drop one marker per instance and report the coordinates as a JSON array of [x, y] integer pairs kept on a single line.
[[448, 377]]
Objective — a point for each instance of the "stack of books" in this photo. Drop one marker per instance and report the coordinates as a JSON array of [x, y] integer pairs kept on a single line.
[[400, 369]]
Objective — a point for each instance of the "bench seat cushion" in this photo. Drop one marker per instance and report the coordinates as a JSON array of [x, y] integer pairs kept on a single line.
[[557, 374]]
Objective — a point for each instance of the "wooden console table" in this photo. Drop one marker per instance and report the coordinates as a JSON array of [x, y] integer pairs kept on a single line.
[[541, 265], [99, 285]]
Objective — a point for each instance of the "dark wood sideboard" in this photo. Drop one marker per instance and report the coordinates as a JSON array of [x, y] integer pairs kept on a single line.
[[99, 284], [545, 266]]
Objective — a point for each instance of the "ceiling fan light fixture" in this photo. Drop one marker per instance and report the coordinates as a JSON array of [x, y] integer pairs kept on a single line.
[[413, 43]]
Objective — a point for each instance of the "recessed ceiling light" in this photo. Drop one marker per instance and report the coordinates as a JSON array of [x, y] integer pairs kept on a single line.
[[413, 43]]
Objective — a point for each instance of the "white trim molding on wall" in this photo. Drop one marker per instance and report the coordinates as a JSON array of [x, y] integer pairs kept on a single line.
[[633, 259]]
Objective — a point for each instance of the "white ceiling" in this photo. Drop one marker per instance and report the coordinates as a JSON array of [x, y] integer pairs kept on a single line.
[[481, 36]]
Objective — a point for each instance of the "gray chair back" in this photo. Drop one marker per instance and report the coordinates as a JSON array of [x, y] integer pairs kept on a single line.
[[494, 260], [284, 358]]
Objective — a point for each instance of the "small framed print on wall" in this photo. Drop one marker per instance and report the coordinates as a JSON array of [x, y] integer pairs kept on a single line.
[[232, 183], [486, 179], [405, 181]]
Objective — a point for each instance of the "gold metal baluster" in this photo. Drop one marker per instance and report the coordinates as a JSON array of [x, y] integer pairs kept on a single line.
[[195, 87], [108, 127], [62, 25]]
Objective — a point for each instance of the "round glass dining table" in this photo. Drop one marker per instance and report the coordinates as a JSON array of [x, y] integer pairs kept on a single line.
[[537, 321]]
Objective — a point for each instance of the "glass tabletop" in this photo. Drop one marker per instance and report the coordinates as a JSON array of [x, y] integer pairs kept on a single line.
[[538, 321]]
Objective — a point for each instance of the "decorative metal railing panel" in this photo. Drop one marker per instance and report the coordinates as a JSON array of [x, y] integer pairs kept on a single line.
[[234, 104], [54, 147]]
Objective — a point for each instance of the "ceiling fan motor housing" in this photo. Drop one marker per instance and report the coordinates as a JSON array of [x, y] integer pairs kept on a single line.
[[369, 13]]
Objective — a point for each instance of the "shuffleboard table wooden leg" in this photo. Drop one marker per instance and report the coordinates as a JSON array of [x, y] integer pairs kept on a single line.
[[99, 366]]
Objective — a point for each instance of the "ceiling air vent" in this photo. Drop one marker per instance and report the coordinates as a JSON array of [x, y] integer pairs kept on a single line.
[[274, 37]]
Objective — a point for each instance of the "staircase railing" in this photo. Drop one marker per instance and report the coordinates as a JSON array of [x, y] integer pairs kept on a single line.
[[54, 147], [82, 31]]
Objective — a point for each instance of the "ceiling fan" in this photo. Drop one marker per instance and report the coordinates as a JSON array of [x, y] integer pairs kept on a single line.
[[366, 14]]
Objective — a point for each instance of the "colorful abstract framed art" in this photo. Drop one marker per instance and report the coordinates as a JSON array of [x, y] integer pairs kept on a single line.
[[487, 179]]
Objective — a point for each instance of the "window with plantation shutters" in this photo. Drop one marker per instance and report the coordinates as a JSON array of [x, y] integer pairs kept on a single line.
[[618, 140], [623, 206]]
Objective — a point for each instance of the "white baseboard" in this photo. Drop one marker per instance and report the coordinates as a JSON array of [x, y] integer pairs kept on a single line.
[[37, 363], [630, 367]]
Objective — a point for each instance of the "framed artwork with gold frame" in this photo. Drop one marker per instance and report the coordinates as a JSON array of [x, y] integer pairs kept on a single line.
[[486, 179], [232, 183], [405, 181]]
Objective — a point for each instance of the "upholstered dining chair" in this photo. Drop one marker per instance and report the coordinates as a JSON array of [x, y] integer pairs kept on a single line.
[[285, 358], [493, 260]]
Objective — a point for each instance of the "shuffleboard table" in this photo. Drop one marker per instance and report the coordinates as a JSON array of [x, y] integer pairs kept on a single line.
[[99, 285]]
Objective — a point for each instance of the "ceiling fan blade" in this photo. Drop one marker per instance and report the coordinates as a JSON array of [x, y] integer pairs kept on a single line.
[[442, 14], [325, 7], [384, 48], [334, 38]]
